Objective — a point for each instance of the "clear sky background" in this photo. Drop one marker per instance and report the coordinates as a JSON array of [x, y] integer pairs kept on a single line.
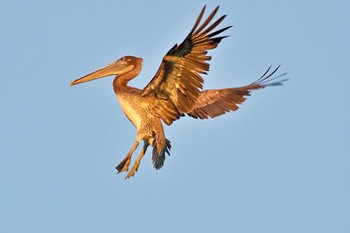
[[279, 164]]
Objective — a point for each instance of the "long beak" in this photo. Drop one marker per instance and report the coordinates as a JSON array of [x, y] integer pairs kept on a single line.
[[115, 68]]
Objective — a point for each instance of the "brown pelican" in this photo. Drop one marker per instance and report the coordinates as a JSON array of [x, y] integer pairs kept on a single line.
[[174, 91]]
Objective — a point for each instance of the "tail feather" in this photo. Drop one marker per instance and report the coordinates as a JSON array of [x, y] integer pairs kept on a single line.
[[158, 159]]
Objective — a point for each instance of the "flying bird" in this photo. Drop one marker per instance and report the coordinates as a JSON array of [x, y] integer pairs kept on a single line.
[[175, 90]]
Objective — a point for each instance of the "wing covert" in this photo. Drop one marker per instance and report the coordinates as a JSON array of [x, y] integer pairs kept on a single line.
[[177, 83]]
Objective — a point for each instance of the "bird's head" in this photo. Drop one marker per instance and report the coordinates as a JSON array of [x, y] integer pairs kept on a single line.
[[121, 66]]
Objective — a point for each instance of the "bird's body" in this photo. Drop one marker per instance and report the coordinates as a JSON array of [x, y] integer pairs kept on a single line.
[[174, 91], [133, 105]]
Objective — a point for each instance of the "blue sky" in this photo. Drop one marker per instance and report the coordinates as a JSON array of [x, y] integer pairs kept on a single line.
[[279, 164]]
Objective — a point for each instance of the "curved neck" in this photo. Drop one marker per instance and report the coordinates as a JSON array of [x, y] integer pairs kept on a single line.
[[122, 80]]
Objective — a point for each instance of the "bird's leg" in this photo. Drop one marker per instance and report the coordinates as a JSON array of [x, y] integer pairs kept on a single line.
[[124, 164], [137, 161]]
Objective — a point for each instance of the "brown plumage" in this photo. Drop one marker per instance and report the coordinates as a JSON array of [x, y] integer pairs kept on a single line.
[[213, 103], [174, 91], [178, 80]]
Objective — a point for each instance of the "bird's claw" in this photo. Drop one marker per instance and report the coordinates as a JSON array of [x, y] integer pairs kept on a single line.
[[123, 166], [133, 170]]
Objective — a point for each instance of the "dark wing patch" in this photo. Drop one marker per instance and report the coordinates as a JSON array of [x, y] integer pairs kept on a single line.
[[213, 103], [177, 83]]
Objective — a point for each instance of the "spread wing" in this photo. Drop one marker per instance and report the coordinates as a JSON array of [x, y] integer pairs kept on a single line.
[[177, 83], [213, 103]]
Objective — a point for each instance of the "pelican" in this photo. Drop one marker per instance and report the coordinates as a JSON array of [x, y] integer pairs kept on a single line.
[[175, 90]]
